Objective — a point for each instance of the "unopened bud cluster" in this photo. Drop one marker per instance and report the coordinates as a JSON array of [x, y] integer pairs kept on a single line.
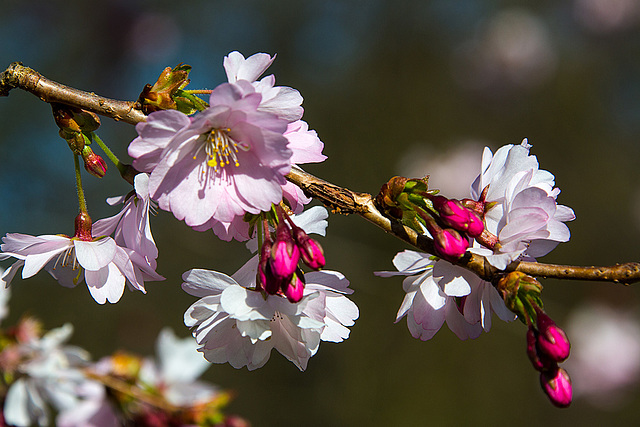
[[167, 92], [449, 221], [547, 343], [279, 272], [75, 126]]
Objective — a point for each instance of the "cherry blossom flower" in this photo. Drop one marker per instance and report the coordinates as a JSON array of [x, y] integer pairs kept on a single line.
[[131, 225], [175, 371], [229, 159], [232, 157], [526, 218], [101, 263], [234, 323], [306, 148], [439, 292]]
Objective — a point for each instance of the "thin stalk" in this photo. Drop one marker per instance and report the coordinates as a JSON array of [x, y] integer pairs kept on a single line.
[[114, 159], [82, 203]]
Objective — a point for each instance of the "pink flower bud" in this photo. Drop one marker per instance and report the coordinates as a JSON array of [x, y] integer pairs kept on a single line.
[[93, 163], [295, 288], [310, 250], [540, 361], [451, 212], [284, 253], [552, 340], [265, 277], [312, 254], [476, 226], [449, 244], [557, 385]]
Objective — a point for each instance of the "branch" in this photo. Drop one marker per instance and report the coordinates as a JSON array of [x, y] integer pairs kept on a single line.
[[344, 201], [338, 199], [132, 391], [19, 76]]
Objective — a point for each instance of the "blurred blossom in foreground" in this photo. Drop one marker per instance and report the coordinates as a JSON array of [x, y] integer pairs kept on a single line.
[[605, 16], [5, 294], [513, 50], [450, 171], [176, 369], [606, 353]]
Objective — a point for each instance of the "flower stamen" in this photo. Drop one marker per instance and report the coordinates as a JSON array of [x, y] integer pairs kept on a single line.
[[63, 259], [221, 149]]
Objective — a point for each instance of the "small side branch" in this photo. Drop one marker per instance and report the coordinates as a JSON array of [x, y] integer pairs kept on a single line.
[[19, 76], [627, 273]]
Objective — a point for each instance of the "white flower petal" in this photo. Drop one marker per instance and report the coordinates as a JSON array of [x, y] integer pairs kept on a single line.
[[200, 283], [95, 255]]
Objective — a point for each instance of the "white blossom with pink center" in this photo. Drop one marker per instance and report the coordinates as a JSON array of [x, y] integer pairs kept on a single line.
[[284, 102], [526, 218], [234, 323], [439, 292], [101, 263], [306, 148]]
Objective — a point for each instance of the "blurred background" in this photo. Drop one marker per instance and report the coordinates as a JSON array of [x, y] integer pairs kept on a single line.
[[392, 88]]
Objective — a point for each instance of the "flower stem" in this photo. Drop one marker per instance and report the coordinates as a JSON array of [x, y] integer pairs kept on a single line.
[[114, 159], [199, 91], [199, 103], [82, 203], [259, 232]]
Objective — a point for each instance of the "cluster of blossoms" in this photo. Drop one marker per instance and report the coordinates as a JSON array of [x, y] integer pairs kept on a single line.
[[512, 215], [43, 375], [517, 203], [223, 169], [236, 320]]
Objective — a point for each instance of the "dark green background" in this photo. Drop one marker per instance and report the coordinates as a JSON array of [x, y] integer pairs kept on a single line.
[[379, 78]]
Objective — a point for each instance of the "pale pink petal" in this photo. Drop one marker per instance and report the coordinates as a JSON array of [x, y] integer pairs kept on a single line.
[[154, 136], [305, 144]]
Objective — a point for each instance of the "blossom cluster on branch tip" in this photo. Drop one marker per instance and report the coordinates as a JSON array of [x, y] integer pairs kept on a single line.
[[231, 158], [236, 321], [517, 201]]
